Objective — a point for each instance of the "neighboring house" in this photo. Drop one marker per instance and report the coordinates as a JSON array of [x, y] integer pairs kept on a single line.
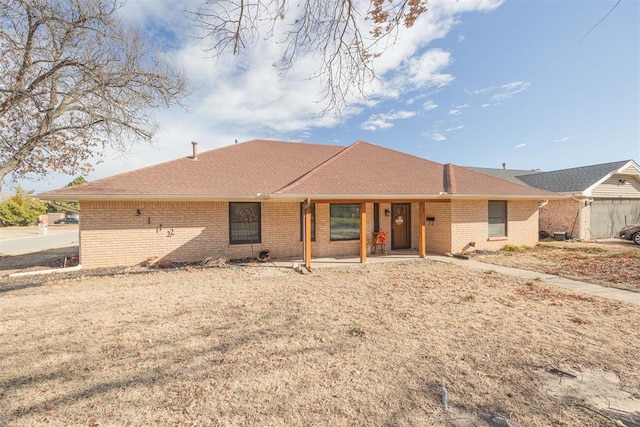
[[601, 199], [298, 201]]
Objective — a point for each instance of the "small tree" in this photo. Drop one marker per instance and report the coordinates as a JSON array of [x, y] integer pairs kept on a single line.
[[21, 208]]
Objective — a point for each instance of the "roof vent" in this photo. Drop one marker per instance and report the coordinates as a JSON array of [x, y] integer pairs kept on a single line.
[[195, 150]]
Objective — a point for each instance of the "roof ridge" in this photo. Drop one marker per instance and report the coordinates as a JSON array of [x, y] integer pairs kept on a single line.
[[313, 170]]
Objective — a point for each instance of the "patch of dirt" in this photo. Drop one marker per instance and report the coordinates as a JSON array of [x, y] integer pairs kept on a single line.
[[259, 345], [51, 258], [611, 265]]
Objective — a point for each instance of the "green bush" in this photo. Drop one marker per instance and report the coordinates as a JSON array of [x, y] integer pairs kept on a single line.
[[21, 208]]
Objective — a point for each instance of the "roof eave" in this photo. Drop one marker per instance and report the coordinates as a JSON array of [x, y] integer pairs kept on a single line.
[[287, 197], [553, 196], [149, 197]]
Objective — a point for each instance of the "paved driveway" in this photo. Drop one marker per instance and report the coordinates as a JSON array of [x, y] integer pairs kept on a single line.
[[23, 240]]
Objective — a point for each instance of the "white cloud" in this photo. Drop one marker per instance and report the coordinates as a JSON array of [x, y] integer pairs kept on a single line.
[[520, 145], [457, 110], [437, 136], [500, 93], [384, 120], [454, 128], [461, 38], [429, 105], [510, 89], [566, 138]]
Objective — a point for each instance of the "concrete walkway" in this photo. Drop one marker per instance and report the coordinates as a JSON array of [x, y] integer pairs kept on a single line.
[[573, 285]]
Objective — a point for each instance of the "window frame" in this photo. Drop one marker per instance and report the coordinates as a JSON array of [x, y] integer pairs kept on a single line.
[[497, 220], [231, 222], [313, 221], [334, 238]]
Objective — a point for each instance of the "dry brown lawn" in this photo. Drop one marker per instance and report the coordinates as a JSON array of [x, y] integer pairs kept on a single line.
[[257, 345], [613, 264]]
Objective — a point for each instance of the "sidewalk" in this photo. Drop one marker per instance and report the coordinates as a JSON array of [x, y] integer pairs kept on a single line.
[[573, 285]]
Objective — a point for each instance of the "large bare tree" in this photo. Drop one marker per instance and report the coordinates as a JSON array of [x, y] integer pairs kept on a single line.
[[74, 78], [345, 35]]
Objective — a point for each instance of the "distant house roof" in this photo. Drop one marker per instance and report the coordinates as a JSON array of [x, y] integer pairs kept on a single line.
[[508, 174], [262, 169], [573, 180]]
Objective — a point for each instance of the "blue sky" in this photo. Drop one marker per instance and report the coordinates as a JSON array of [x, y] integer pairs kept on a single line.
[[474, 83]]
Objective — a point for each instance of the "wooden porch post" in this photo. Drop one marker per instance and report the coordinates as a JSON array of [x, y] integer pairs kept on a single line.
[[363, 233], [307, 236], [422, 230]]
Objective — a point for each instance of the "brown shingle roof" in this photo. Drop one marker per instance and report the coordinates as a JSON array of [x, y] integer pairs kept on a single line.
[[367, 169], [293, 170], [239, 170]]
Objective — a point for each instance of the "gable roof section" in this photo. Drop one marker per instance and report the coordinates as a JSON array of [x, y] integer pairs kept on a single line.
[[239, 170], [261, 169], [367, 170], [573, 180]]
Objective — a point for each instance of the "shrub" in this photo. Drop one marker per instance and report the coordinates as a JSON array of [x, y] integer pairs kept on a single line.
[[21, 208]]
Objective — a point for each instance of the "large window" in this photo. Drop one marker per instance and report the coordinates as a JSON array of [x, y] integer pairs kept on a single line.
[[345, 221], [313, 221], [244, 223], [497, 218]]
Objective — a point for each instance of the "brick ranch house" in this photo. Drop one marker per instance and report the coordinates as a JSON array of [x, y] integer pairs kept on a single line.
[[599, 199], [298, 201]]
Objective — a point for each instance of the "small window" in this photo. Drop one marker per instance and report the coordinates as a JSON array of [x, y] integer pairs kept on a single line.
[[313, 221], [345, 221], [244, 223], [497, 218]]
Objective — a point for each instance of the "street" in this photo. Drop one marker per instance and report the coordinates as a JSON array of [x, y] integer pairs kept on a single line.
[[29, 241]]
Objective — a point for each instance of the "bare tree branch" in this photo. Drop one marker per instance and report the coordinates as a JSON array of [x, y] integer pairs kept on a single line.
[[75, 79], [329, 29]]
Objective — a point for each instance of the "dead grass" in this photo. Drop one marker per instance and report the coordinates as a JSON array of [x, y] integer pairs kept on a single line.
[[262, 346], [612, 265]]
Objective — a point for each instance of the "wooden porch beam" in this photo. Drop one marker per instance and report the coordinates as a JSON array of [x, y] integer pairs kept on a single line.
[[422, 229], [307, 236], [363, 233]]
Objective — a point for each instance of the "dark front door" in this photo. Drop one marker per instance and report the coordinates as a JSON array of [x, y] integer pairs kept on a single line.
[[400, 226]]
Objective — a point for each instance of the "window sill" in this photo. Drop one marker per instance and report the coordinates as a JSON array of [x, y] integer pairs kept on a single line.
[[497, 239]]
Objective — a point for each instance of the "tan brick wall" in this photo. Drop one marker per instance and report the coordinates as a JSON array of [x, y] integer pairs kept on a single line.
[[561, 215], [112, 234], [470, 224], [439, 231]]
